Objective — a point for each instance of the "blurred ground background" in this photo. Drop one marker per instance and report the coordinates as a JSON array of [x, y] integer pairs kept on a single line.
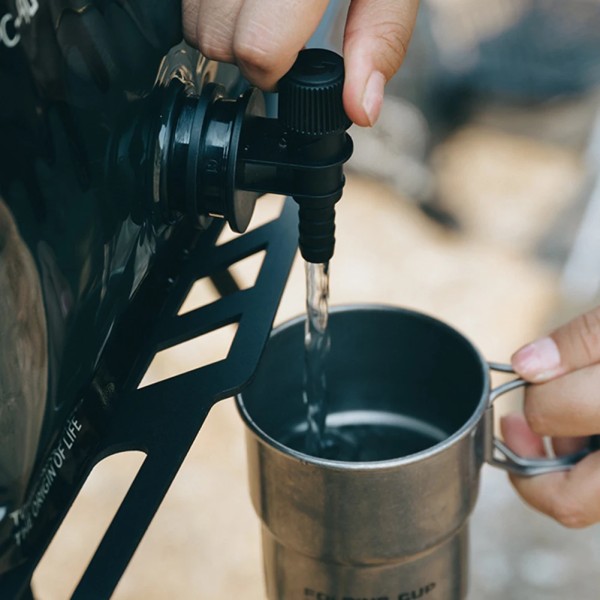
[[510, 183]]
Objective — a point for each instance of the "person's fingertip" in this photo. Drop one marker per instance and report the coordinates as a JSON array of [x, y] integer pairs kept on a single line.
[[372, 96], [505, 423], [519, 437], [510, 426], [539, 361]]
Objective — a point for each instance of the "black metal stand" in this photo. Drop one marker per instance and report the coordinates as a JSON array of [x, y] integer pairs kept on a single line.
[[162, 419]]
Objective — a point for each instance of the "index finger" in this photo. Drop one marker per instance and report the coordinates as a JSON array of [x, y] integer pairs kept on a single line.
[[269, 35], [565, 406]]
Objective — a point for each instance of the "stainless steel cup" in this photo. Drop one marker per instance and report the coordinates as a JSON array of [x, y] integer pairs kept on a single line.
[[393, 529]]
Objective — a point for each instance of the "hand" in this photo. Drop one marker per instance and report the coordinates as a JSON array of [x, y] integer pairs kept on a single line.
[[564, 403], [263, 37]]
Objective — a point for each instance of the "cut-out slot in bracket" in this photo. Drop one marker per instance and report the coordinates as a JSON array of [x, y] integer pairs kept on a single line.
[[196, 353], [240, 275]]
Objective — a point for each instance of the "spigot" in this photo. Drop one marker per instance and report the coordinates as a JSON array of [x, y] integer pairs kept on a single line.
[[311, 111], [223, 153]]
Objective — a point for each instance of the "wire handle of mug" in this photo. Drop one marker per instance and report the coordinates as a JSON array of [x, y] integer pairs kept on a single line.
[[500, 455]]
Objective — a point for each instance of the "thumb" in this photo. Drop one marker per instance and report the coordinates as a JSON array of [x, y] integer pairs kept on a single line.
[[568, 348], [375, 43]]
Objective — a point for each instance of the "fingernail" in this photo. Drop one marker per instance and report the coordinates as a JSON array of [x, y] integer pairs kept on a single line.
[[373, 96], [538, 361]]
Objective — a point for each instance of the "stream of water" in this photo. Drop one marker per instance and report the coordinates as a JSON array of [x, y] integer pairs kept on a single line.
[[356, 435], [316, 348]]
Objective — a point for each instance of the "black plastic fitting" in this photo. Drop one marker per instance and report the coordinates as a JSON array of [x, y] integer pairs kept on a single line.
[[223, 153], [311, 110]]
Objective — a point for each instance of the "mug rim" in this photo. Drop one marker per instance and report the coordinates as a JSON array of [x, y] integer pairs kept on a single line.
[[467, 427]]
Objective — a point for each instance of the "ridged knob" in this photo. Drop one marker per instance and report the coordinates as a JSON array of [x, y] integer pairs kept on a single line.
[[310, 94]]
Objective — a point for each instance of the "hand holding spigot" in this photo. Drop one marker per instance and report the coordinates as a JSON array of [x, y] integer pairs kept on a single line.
[[230, 153]]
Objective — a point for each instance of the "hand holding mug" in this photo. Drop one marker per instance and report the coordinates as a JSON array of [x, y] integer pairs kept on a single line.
[[563, 403]]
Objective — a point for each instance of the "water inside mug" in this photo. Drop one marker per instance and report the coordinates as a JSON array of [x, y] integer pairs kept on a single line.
[[366, 435], [398, 383]]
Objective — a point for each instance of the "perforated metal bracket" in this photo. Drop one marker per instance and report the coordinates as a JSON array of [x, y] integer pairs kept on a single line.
[[162, 419]]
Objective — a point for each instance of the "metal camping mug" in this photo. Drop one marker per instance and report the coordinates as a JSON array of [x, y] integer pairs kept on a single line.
[[391, 529]]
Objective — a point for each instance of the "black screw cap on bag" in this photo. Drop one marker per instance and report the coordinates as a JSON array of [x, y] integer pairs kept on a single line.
[[310, 94]]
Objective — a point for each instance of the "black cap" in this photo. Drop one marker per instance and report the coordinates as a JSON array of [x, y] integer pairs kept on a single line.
[[310, 94]]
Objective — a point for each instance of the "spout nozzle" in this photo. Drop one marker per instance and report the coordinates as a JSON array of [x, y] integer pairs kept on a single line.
[[311, 110], [317, 229]]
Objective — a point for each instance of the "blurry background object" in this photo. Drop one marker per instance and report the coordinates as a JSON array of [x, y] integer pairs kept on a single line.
[[522, 66], [581, 276]]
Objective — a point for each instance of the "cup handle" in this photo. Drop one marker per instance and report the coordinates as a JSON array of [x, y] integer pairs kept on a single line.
[[500, 455]]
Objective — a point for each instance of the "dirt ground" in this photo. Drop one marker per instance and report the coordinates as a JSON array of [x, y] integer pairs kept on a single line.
[[507, 191]]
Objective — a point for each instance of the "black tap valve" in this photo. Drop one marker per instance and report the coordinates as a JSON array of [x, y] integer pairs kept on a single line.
[[224, 153], [311, 112]]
